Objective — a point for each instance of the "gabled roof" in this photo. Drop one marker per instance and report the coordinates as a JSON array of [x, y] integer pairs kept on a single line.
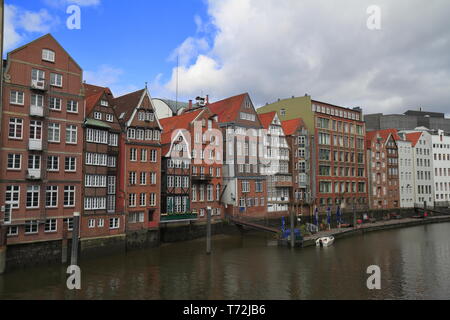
[[267, 118], [48, 35], [177, 122], [127, 103], [413, 137], [384, 134], [291, 126], [93, 94], [227, 110]]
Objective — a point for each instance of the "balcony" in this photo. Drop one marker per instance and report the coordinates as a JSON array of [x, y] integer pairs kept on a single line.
[[35, 145], [34, 174], [38, 85], [201, 177], [181, 217], [36, 111]]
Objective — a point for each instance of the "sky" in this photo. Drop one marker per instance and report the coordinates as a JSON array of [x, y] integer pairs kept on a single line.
[[388, 59]]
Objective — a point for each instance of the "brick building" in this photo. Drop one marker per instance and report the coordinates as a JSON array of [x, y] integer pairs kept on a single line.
[[279, 178], [338, 160], [299, 165], [139, 181], [383, 164], [41, 143], [245, 187], [100, 162], [192, 180]]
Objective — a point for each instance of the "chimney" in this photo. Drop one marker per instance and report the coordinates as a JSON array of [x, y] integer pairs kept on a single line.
[[207, 99], [190, 105]]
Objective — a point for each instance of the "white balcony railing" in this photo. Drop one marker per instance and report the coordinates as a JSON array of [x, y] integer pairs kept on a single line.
[[34, 174], [35, 145], [36, 111], [38, 84]]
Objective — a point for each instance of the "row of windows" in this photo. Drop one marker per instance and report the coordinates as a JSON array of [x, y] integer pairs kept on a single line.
[[251, 202], [37, 100], [141, 134], [32, 227], [34, 162], [102, 136], [341, 187], [100, 159], [12, 196], [335, 112], [198, 192], [143, 155], [132, 200], [16, 126], [132, 178], [108, 116]]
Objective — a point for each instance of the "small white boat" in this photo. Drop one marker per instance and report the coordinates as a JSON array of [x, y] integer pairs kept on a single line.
[[325, 241]]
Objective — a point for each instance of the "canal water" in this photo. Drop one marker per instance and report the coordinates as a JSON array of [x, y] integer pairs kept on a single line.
[[414, 262]]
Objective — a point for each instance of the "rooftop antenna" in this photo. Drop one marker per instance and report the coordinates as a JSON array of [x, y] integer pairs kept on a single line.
[[176, 94]]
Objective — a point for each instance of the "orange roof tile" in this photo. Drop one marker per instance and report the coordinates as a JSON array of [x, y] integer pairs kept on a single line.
[[266, 118], [413, 137], [93, 94], [384, 134], [227, 110], [291, 126], [177, 122]]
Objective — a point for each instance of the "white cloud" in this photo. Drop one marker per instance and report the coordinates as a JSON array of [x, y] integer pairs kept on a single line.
[[111, 77], [40, 21], [20, 24], [275, 49], [189, 49], [82, 3]]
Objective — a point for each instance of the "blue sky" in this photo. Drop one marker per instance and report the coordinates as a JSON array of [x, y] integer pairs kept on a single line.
[[269, 48], [131, 42]]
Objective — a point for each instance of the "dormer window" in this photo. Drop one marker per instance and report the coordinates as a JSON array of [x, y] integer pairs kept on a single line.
[[104, 103], [283, 112], [48, 55], [97, 116]]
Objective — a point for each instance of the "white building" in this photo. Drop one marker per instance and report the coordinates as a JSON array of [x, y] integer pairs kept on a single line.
[[422, 147], [406, 174], [441, 165]]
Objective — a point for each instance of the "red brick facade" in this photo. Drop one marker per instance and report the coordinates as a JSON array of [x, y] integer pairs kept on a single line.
[[41, 141]]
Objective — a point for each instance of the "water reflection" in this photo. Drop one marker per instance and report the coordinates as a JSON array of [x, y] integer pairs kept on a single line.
[[414, 264]]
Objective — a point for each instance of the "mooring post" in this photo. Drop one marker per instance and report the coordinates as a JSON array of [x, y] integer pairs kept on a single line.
[[292, 230], [75, 232], [208, 230]]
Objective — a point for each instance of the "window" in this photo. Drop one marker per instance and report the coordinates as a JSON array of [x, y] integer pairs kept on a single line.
[[114, 223], [95, 203], [111, 161], [35, 130], [96, 159], [12, 196], [109, 117], [37, 100], [101, 223], [56, 79], [16, 97], [98, 115], [34, 161], [53, 132], [48, 55], [54, 103], [152, 177], [132, 200], [209, 192], [37, 75], [71, 134], [153, 155], [132, 178], [33, 197], [143, 178], [13, 231], [143, 155], [95, 181], [133, 154], [69, 196], [91, 223], [143, 199], [104, 103], [53, 163], [97, 136], [70, 164], [50, 225], [31, 227], [72, 106], [113, 139], [111, 185], [15, 128], [51, 198], [69, 222], [131, 134], [14, 161]]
